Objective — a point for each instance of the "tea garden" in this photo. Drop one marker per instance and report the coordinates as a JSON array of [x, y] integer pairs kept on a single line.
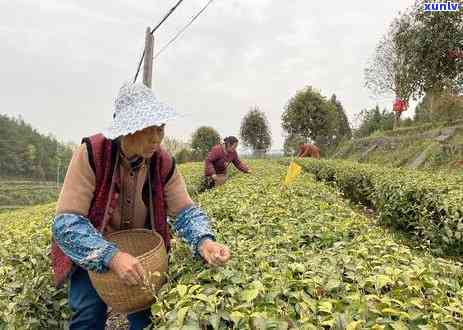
[[303, 257]]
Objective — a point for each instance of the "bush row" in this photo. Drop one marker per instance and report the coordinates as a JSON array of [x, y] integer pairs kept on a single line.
[[28, 298], [429, 205], [303, 259]]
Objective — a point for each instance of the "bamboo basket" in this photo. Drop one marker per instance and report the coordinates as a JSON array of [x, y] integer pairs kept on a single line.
[[148, 247]]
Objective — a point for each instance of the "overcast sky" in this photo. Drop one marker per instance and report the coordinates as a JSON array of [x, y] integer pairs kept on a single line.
[[63, 61]]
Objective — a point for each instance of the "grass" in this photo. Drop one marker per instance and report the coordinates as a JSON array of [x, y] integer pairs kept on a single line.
[[399, 148]]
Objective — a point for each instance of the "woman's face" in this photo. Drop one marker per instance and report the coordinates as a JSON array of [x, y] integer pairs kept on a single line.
[[231, 147], [145, 142]]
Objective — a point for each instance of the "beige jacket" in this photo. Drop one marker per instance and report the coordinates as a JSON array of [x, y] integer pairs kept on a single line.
[[79, 187]]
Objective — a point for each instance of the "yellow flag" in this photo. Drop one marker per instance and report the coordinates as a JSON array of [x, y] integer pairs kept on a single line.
[[293, 171]]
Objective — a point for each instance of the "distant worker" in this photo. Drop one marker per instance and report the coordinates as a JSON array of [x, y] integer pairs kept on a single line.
[[308, 150], [217, 161]]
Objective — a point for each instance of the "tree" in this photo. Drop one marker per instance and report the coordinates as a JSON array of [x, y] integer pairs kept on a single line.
[[203, 139], [390, 72], [416, 57], [448, 107], [423, 111], [255, 131], [436, 36], [310, 116], [374, 120], [186, 155], [172, 145], [445, 107], [291, 144], [28, 154], [343, 130]]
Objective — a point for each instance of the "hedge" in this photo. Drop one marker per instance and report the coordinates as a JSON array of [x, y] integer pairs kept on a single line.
[[428, 205]]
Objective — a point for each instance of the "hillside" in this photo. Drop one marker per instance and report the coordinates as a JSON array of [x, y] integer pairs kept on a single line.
[[420, 147], [27, 154], [18, 194]]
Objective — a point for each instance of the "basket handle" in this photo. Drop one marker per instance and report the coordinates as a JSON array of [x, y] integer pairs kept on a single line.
[[150, 192], [111, 189]]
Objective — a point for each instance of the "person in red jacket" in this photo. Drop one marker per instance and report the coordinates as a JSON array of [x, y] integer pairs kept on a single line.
[[217, 161], [308, 150]]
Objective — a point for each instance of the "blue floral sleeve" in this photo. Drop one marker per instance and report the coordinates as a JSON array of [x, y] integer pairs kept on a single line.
[[193, 226], [79, 240], [86, 247]]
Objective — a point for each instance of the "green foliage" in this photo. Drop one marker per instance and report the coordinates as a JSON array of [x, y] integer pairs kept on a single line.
[[416, 129], [402, 146], [310, 116], [427, 205], [414, 57], [291, 144], [186, 155], [374, 120], [28, 299], [24, 193], [255, 131], [28, 154], [448, 108], [445, 107], [389, 72], [435, 36], [343, 130], [183, 156], [173, 146], [203, 139], [303, 259], [193, 174], [423, 110]]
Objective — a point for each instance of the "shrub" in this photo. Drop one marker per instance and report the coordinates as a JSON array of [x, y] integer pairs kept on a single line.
[[427, 205]]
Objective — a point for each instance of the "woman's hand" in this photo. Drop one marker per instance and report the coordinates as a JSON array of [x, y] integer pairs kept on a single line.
[[214, 253], [219, 179], [128, 268]]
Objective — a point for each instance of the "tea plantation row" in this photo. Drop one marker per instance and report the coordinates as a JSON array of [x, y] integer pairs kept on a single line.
[[302, 258], [429, 206]]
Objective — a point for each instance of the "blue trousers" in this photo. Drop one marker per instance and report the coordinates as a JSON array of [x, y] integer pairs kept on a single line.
[[89, 312]]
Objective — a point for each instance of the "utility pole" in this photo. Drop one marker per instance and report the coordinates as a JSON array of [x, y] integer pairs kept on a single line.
[[148, 60]]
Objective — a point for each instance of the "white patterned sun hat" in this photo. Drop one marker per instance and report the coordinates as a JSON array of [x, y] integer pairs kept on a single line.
[[136, 107]]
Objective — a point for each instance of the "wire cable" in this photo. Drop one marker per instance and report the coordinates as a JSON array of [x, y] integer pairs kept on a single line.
[[152, 31], [179, 33], [166, 16]]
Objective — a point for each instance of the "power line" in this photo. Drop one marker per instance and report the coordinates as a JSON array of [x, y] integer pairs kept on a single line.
[[183, 29], [167, 15], [139, 66], [154, 30]]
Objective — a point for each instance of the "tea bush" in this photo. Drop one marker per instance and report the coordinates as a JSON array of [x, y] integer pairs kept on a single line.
[[303, 259], [28, 299], [25, 193], [429, 205]]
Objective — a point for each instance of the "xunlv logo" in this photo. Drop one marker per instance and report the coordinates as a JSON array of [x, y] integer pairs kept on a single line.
[[441, 6]]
